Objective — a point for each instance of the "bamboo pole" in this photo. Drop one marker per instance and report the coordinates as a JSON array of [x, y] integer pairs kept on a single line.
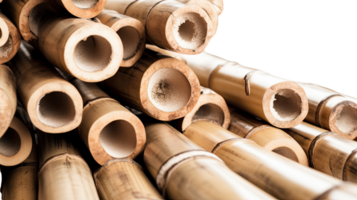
[[80, 8], [162, 87], [53, 104], [276, 175], [8, 98], [272, 139], [185, 171], [10, 39], [123, 179], [131, 32], [328, 152]]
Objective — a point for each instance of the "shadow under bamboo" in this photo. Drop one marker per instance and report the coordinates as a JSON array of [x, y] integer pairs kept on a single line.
[[183, 170], [123, 179], [8, 98], [274, 174], [162, 87], [79, 8], [10, 39]]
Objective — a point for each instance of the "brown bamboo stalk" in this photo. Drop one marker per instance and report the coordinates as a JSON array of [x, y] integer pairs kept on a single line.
[[123, 179], [328, 152], [80, 8], [53, 104], [162, 87], [185, 171], [10, 39], [8, 98], [274, 174], [131, 32], [272, 139]]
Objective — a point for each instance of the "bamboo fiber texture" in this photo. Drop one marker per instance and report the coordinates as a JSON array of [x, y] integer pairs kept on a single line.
[[10, 39], [8, 98]]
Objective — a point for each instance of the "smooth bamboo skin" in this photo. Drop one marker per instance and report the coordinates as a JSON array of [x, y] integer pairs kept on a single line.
[[185, 171], [123, 179], [83, 9], [272, 139], [10, 39], [66, 177], [131, 31], [270, 172], [8, 98], [328, 152], [37, 85], [156, 84]]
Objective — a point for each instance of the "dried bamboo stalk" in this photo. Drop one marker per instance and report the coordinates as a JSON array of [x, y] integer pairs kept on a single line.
[[53, 104], [8, 98], [185, 171], [272, 139], [80, 8], [123, 179], [270, 172], [328, 152], [10, 39], [131, 32], [218, 4], [162, 87]]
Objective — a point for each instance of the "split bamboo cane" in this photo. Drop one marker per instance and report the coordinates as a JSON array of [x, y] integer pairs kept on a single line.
[[162, 87], [331, 110], [53, 104], [185, 171], [272, 139], [328, 152], [8, 98], [124, 179], [80, 8], [10, 39], [274, 174]]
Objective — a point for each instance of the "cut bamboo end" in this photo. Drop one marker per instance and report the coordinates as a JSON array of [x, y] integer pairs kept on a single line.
[[15, 144], [8, 98], [83, 9], [4, 31], [116, 173], [10, 39]]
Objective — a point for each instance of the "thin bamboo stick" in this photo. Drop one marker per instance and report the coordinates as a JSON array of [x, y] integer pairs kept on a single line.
[[8, 98], [80, 8], [165, 52], [274, 174], [123, 179], [53, 104], [162, 87], [10, 39], [272, 139], [185, 171]]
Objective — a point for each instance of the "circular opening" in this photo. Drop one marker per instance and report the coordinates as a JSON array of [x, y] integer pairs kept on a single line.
[[169, 90], [286, 105], [346, 121], [85, 4], [286, 152], [56, 109], [93, 53], [10, 143], [211, 113], [118, 139], [190, 30], [130, 38]]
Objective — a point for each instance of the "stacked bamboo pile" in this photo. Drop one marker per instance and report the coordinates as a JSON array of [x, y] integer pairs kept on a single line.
[[116, 99]]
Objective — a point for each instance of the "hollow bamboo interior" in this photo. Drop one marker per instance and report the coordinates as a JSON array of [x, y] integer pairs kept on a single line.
[[82, 9], [10, 39], [5, 33]]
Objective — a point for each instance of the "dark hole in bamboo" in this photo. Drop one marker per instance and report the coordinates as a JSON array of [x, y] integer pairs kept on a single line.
[[10, 143]]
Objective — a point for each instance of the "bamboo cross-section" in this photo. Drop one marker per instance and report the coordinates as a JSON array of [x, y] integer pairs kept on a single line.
[[8, 98], [10, 39]]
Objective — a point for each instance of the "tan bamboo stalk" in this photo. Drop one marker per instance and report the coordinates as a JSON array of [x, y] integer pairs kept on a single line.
[[108, 129], [53, 104], [272, 139], [331, 110], [183, 170], [15, 144], [10, 39], [165, 52], [80, 8], [274, 174], [328, 152], [131, 32], [162, 87], [210, 107], [8, 98], [280, 102], [124, 179], [218, 5]]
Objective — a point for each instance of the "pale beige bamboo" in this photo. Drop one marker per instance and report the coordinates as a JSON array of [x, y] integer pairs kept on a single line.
[[124, 179], [131, 32], [276, 175], [162, 87], [79, 8], [328, 152], [8, 98], [10, 39], [272, 139], [218, 4], [185, 171], [53, 104]]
